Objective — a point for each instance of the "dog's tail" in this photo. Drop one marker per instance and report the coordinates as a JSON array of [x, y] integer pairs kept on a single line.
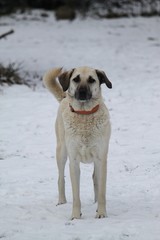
[[53, 85]]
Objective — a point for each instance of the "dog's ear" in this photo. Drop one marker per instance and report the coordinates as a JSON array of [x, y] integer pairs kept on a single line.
[[64, 79], [103, 78]]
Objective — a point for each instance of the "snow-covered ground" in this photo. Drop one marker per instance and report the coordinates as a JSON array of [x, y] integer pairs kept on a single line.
[[129, 51]]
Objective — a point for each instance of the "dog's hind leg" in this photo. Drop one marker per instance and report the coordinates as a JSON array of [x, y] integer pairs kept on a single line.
[[95, 185], [61, 154]]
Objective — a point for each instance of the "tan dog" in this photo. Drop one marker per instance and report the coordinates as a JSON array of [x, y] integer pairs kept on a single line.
[[82, 129]]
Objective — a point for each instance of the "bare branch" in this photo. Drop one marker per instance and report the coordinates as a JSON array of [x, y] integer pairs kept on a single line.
[[6, 34]]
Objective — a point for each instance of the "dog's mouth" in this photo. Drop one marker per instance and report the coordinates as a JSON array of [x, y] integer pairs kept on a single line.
[[83, 94]]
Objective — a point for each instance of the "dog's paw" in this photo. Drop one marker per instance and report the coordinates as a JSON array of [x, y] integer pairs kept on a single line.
[[61, 202], [76, 215], [101, 215]]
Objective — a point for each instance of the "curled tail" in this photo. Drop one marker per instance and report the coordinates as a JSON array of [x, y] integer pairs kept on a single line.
[[53, 85]]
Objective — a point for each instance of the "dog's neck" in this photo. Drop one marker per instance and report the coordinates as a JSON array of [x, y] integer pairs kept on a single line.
[[86, 106], [85, 112]]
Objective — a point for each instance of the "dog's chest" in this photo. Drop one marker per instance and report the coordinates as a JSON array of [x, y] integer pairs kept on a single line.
[[84, 126], [84, 134]]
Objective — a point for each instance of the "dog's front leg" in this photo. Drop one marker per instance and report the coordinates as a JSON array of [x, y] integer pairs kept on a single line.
[[75, 180], [101, 176]]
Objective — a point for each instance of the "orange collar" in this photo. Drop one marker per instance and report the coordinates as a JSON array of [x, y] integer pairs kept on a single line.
[[84, 112]]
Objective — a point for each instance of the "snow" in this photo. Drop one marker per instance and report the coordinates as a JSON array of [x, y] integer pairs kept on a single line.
[[128, 51]]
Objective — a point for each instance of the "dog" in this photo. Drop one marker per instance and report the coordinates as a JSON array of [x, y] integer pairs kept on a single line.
[[83, 130]]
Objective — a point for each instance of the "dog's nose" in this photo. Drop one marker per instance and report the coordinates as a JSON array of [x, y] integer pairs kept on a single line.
[[83, 93]]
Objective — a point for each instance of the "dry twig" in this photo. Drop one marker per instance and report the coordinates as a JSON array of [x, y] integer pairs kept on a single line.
[[6, 34]]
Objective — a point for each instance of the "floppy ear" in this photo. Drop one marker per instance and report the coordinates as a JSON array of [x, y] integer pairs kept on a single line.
[[103, 78], [64, 79]]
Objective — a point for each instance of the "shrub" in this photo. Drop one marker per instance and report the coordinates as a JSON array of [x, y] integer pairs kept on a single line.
[[10, 75], [65, 13]]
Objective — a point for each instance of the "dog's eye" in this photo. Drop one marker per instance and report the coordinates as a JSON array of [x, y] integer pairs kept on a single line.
[[91, 80], [76, 79]]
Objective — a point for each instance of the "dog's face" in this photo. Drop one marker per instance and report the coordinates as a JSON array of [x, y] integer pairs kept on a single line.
[[83, 83]]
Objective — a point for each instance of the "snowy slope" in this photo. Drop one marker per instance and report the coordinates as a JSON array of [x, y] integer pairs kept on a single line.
[[129, 51]]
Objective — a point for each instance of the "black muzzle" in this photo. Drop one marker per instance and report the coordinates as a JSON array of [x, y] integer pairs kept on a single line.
[[83, 93]]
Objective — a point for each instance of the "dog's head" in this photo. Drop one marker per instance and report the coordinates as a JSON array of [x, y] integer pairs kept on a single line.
[[83, 83]]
